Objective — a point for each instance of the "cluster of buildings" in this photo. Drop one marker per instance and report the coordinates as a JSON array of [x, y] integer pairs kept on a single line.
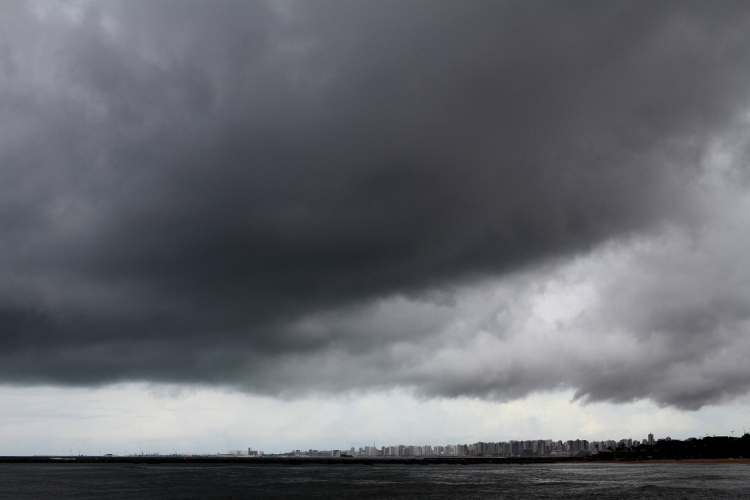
[[531, 448], [623, 449], [241, 453]]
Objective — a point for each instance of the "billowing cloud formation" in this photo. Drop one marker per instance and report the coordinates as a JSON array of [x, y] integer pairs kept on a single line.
[[291, 196]]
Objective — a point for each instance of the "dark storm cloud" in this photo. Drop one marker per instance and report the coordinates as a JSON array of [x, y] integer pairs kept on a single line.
[[184, 183]]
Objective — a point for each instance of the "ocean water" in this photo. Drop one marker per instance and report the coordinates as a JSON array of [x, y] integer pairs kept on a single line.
[[381, 481]]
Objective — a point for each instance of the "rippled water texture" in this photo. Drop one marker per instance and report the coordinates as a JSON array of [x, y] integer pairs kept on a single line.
[[558, 481]]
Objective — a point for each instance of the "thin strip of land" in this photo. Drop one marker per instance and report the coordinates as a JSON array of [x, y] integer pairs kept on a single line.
[[302, 461]]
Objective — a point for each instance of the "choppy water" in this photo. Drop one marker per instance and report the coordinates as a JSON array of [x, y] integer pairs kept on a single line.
[[553, 481]]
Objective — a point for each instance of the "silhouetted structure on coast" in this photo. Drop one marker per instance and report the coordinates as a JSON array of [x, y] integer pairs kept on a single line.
[[707, 447]]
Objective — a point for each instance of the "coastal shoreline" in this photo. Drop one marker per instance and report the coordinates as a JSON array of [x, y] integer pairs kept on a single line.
[[297, 461]]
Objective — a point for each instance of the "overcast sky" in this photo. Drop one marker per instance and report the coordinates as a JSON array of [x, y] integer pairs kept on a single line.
[[456, 201]]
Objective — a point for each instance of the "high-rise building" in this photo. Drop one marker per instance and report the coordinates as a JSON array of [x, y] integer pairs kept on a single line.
[[515, 448]]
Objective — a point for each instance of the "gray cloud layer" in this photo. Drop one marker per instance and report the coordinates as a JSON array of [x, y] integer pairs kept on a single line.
[[208, 192]]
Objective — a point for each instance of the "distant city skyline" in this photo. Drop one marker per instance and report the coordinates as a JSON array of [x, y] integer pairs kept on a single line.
[[512, 448], [541, 448]]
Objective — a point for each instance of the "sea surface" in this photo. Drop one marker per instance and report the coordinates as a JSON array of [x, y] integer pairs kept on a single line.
[[381, 481]]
